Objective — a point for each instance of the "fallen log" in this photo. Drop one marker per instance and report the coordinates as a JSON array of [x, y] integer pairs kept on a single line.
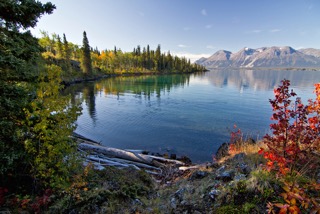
[[136, 157], [142, 165], [199, 166], [110, 163]]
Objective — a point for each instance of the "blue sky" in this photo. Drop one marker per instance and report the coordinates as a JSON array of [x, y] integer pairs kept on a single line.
[[193, 28]]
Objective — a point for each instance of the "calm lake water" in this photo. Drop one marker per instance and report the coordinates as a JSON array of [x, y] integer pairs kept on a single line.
[[188, 115]]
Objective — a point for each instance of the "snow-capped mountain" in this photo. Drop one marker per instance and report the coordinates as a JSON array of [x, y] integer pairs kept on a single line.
[[311, 51], [265, 57]]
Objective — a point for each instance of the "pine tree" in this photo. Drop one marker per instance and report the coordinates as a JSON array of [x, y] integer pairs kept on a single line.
[[86, 56], [59, 48], [66, 53]]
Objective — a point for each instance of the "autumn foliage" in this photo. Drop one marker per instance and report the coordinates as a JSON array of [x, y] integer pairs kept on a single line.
[[293, 150]]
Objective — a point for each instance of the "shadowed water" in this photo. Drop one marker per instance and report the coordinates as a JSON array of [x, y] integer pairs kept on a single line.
[[188, 115]]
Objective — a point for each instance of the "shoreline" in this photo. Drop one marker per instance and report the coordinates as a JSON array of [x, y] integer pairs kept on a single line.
[[103, 76]]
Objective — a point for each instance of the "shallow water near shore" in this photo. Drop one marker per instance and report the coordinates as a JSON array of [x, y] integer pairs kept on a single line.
[[184, 114]]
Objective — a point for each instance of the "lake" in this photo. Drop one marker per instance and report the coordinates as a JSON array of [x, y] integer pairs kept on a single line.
[[185, 114]]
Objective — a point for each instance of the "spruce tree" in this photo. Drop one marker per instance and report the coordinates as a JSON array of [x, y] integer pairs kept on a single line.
[[66, 53], [86, 57], [59, 47]]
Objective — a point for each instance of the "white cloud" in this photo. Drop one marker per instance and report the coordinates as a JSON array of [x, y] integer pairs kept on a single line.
[[208, 26], [182, 46], [204, 12], [192, 57], [210, 47], [254, 31], [275, 30]]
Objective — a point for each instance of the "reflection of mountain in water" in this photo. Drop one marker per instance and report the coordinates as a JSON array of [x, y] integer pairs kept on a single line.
[[261, 79], [139, 85]]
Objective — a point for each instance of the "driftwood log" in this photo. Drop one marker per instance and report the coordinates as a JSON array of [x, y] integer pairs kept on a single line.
[[101, 156], [126, 155]]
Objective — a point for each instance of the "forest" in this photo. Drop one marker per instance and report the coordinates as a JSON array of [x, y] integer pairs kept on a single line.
[[36, 152], [78, 60], [42, 172]]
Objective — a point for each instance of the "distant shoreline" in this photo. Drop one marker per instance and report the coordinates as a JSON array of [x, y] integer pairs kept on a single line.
[[129, 74], [266, 68]]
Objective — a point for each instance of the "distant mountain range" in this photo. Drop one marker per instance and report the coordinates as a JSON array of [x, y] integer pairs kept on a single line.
[[265, 57]]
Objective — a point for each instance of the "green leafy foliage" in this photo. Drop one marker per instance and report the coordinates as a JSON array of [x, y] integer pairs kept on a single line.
[[19, 52], [139, 61], [50, 119], [36, 121]]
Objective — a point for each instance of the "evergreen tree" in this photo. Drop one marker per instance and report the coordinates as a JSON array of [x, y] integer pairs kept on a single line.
[[115, 50], [59, 48], [66, 53], [66, 49], [149, 64], [19, 52], [86, 56]]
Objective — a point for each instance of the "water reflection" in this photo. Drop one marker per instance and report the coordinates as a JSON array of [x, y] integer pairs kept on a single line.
[[142, 85], [261, 79], [145, 86], [187, 114]]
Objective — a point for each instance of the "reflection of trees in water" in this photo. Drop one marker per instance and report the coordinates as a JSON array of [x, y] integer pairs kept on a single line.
[[143, 85], [260, 79], [89, 97], [146, 86], [83, 92]]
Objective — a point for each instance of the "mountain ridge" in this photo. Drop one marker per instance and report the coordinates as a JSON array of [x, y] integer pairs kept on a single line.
[[264, 57]]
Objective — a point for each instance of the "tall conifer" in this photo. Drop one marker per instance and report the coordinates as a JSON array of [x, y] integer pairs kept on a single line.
[[86, 57], [66, 53]]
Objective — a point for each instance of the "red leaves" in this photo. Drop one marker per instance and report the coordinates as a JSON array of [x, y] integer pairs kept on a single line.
[[261, 151], [294, 131], [295, 138], [235, 140]]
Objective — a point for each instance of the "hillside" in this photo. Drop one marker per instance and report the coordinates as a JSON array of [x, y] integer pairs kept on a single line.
[[264, 57]]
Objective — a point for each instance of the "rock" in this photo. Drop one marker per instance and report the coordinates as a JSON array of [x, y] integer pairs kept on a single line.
[[214, 193], [222, 151], [221, 169], [239, 177], [184, 203], [173, 156], [198, 175], [239, 157], [173, 203], [137, 202], [179, 194], [226, 176], [244, 168], [185, 160]]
